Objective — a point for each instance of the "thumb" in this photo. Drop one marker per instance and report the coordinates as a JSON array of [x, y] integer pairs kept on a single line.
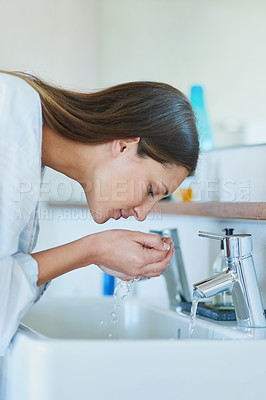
[[153, 241]]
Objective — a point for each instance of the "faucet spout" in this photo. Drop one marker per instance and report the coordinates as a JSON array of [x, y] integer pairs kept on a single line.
[[240, 279], [216, 284]]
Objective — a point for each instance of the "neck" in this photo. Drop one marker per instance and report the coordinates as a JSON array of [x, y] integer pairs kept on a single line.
[[72, 159]]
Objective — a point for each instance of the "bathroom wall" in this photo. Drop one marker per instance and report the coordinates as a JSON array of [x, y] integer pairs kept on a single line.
[[233, 175], [96, 43], [219, 44], [58, 40]]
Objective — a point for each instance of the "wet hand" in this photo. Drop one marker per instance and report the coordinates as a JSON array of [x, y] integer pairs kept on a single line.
[[131, 254]]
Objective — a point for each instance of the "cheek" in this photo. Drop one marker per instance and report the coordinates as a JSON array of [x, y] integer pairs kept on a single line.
[[98, 197], [122, 186], [136, 192], [122, 193]]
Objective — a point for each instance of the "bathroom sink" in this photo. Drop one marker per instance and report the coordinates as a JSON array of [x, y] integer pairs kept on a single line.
[[73, 348], [91, 319]]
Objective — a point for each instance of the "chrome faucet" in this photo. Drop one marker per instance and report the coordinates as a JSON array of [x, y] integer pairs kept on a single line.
[[240, 279], [175, 274]]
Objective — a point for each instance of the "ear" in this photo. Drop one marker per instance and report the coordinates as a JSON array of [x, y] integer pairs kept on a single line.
[[121, 146]]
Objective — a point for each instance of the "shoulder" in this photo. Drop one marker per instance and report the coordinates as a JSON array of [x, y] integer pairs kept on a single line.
[[20, 120], [16, 87], [20, 104]]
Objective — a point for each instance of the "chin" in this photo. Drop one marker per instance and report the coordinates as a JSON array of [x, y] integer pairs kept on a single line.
[[99, 220], [98, 215]]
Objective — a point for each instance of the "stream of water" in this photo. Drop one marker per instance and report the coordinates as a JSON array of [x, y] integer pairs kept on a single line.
[[122, 290], [193, 312]]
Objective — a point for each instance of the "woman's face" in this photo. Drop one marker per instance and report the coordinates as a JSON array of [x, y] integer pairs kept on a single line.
[[123, 184]]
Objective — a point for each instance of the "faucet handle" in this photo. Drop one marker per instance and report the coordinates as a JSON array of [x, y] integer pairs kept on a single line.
[[235, 246]]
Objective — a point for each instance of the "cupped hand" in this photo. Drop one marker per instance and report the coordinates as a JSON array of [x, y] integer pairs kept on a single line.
[[131, 254]]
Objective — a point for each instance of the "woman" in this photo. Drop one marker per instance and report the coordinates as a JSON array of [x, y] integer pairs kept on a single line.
[[140, 136]]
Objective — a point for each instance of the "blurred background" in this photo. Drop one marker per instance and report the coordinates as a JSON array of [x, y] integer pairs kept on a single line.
[[91, 44]]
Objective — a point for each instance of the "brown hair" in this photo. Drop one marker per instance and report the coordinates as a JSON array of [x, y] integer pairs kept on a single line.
[[158, 113]]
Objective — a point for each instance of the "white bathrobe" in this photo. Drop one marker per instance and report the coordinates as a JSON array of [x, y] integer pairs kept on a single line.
[[20, 178]]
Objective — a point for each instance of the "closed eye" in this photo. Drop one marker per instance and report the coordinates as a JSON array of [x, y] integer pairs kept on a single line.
[[150, 192]]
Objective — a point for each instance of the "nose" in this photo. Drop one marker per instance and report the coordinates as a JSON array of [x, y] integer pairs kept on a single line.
[[141, 212]]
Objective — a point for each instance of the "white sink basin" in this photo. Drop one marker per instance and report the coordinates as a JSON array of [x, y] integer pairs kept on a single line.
[[62, 352], [90, 319]]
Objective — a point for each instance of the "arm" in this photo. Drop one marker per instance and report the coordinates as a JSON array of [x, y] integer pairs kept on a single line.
[[124, 254], [62, 259]]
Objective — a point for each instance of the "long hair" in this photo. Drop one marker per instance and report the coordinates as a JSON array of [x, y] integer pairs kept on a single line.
[[158, 113]]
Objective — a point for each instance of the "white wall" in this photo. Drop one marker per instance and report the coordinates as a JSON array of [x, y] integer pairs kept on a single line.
[[55, 39], [219, 44], [96, 43], [235, 174]]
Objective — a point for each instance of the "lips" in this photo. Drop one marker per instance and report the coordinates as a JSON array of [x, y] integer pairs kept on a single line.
[[121, 214], [136, 215], [118, 216]]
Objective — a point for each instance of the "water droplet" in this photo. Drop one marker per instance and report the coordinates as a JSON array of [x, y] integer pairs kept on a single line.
[[110, 335], [101, 322], [122, 289]]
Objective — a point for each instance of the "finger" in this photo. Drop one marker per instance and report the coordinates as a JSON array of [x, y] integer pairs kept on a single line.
[[156, 269], [166, 257], [152, 240], [167, 240], [152, 256]]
